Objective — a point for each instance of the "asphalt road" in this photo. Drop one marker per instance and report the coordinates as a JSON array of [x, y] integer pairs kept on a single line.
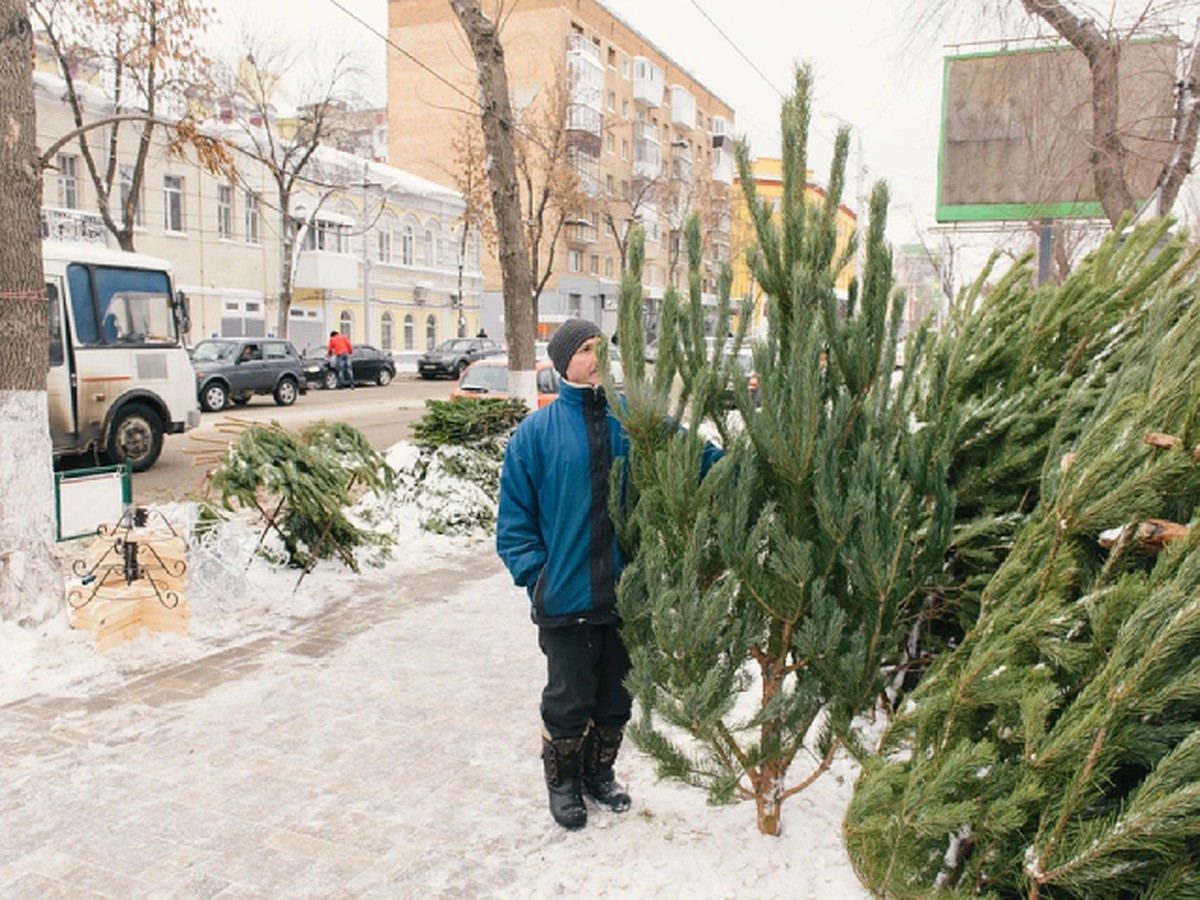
[[384, 414]]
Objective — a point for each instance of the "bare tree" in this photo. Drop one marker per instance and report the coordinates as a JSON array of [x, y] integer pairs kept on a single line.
[[144, 55], [498, 132], [286, 154], [552, 195], [31, 583], [470, 176]]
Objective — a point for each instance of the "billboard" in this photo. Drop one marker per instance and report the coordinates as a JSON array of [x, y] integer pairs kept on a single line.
[[1016, 131]]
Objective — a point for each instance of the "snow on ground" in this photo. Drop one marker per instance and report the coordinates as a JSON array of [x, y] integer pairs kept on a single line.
[[671, 839]]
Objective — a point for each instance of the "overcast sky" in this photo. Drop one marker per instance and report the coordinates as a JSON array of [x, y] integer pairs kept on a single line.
[[744, 51]]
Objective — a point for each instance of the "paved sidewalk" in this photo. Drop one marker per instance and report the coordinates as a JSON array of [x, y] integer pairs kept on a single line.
[[324, 762]]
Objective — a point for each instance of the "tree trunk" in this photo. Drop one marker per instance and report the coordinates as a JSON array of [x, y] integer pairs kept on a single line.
[[31, 584], [1108, 150], [498, 127]]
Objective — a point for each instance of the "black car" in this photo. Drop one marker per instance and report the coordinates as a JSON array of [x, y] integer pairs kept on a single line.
[[450, 358], [232, 370], [367, 364]]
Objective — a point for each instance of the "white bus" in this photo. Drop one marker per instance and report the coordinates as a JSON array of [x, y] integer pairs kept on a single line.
[[120, 377]]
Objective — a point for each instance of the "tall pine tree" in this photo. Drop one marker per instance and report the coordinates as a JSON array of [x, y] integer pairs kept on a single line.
[[765, 602]]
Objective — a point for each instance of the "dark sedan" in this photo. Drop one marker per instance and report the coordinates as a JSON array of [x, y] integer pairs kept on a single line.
[[450, 359], [368, 365]]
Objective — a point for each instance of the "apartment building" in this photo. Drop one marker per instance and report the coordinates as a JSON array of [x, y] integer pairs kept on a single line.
[[379, 250], [648, 142], [768, 184]]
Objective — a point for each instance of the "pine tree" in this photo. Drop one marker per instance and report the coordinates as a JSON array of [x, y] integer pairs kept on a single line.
[[1056, 753], [764, 602]]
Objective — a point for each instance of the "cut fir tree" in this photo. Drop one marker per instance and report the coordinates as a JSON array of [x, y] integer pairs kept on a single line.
[[764, 603]]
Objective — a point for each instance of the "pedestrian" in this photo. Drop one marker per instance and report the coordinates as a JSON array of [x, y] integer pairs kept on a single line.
[[339, 351], [481, 333], [555, 535]]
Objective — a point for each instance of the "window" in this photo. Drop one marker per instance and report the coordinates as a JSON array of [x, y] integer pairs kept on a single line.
[[410, 332], [224, 212], [608, 184], [624, 189], [612, 101], [385, 332], [126, 174], [430, 332], [608, 267], [173, 203], [120, 306], [406, 246], [68, 182], [346, 325], [383, 240], [609, 142], [625, 69], [430, 250], [594, 264], [575, 261], [612, 56], [624, 148], [251, 217]]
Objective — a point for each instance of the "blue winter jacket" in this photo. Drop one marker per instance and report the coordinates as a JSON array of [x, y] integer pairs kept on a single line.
[[553, 531]]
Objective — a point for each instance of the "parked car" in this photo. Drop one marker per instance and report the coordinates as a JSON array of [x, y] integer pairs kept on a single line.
[[368, 365], [450, 358], [232, 370], [489, 378]]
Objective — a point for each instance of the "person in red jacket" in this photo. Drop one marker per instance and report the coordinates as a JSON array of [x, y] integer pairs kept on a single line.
[[340, 349]]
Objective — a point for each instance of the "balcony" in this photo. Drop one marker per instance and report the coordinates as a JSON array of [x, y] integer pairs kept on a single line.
[[647, 159], [722, 139], [681, 161], [587, 170], [584, 125], [585, 72], [324, 270], [647, 83], [722, 165], [683, 107], [73, 225], [581, 233]]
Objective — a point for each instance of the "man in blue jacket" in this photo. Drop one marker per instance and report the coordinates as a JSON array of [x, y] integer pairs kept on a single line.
[[556, 537]]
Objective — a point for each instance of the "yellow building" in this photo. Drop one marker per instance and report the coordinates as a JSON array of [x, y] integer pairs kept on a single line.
[[768, 182]]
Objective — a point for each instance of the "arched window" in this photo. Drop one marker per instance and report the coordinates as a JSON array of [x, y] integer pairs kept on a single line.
[[430, 332], [385, 332], [430, 251], [410, 332], [346, 325], [406, 246]]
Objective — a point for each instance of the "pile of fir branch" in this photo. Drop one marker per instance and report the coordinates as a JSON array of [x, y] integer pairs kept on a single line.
[[303, 485], [467, 420], [1056, 752]]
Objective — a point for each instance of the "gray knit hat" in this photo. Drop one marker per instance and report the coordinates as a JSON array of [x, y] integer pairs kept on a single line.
[[566, 340]]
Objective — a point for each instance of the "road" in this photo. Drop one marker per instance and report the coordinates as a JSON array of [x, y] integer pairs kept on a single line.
[[384, 415]]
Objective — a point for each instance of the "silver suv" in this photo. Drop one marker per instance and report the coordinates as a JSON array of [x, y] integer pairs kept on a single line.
[[232, 370]]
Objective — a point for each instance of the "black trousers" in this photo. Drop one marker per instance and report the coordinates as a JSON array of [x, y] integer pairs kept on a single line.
[[586, 667]]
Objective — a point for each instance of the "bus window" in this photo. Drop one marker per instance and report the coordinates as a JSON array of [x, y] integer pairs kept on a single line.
[[83, 310], [138, 303], [56, 337]]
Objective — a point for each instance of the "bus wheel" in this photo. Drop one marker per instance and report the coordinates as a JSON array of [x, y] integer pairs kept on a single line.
[[285, 392], [214, 397], [136, 437]]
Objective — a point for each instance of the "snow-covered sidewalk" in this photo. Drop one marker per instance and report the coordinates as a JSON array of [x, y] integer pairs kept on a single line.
[[384, 746]]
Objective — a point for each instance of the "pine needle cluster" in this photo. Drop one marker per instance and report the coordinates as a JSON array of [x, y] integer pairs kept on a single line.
[[1056, 752], [467, 420]]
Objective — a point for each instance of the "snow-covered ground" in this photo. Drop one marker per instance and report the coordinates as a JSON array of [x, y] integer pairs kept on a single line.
[[671, 844]]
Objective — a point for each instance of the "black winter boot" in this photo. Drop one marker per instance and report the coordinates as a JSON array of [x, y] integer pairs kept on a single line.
[[599, 755], [562, 758]]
